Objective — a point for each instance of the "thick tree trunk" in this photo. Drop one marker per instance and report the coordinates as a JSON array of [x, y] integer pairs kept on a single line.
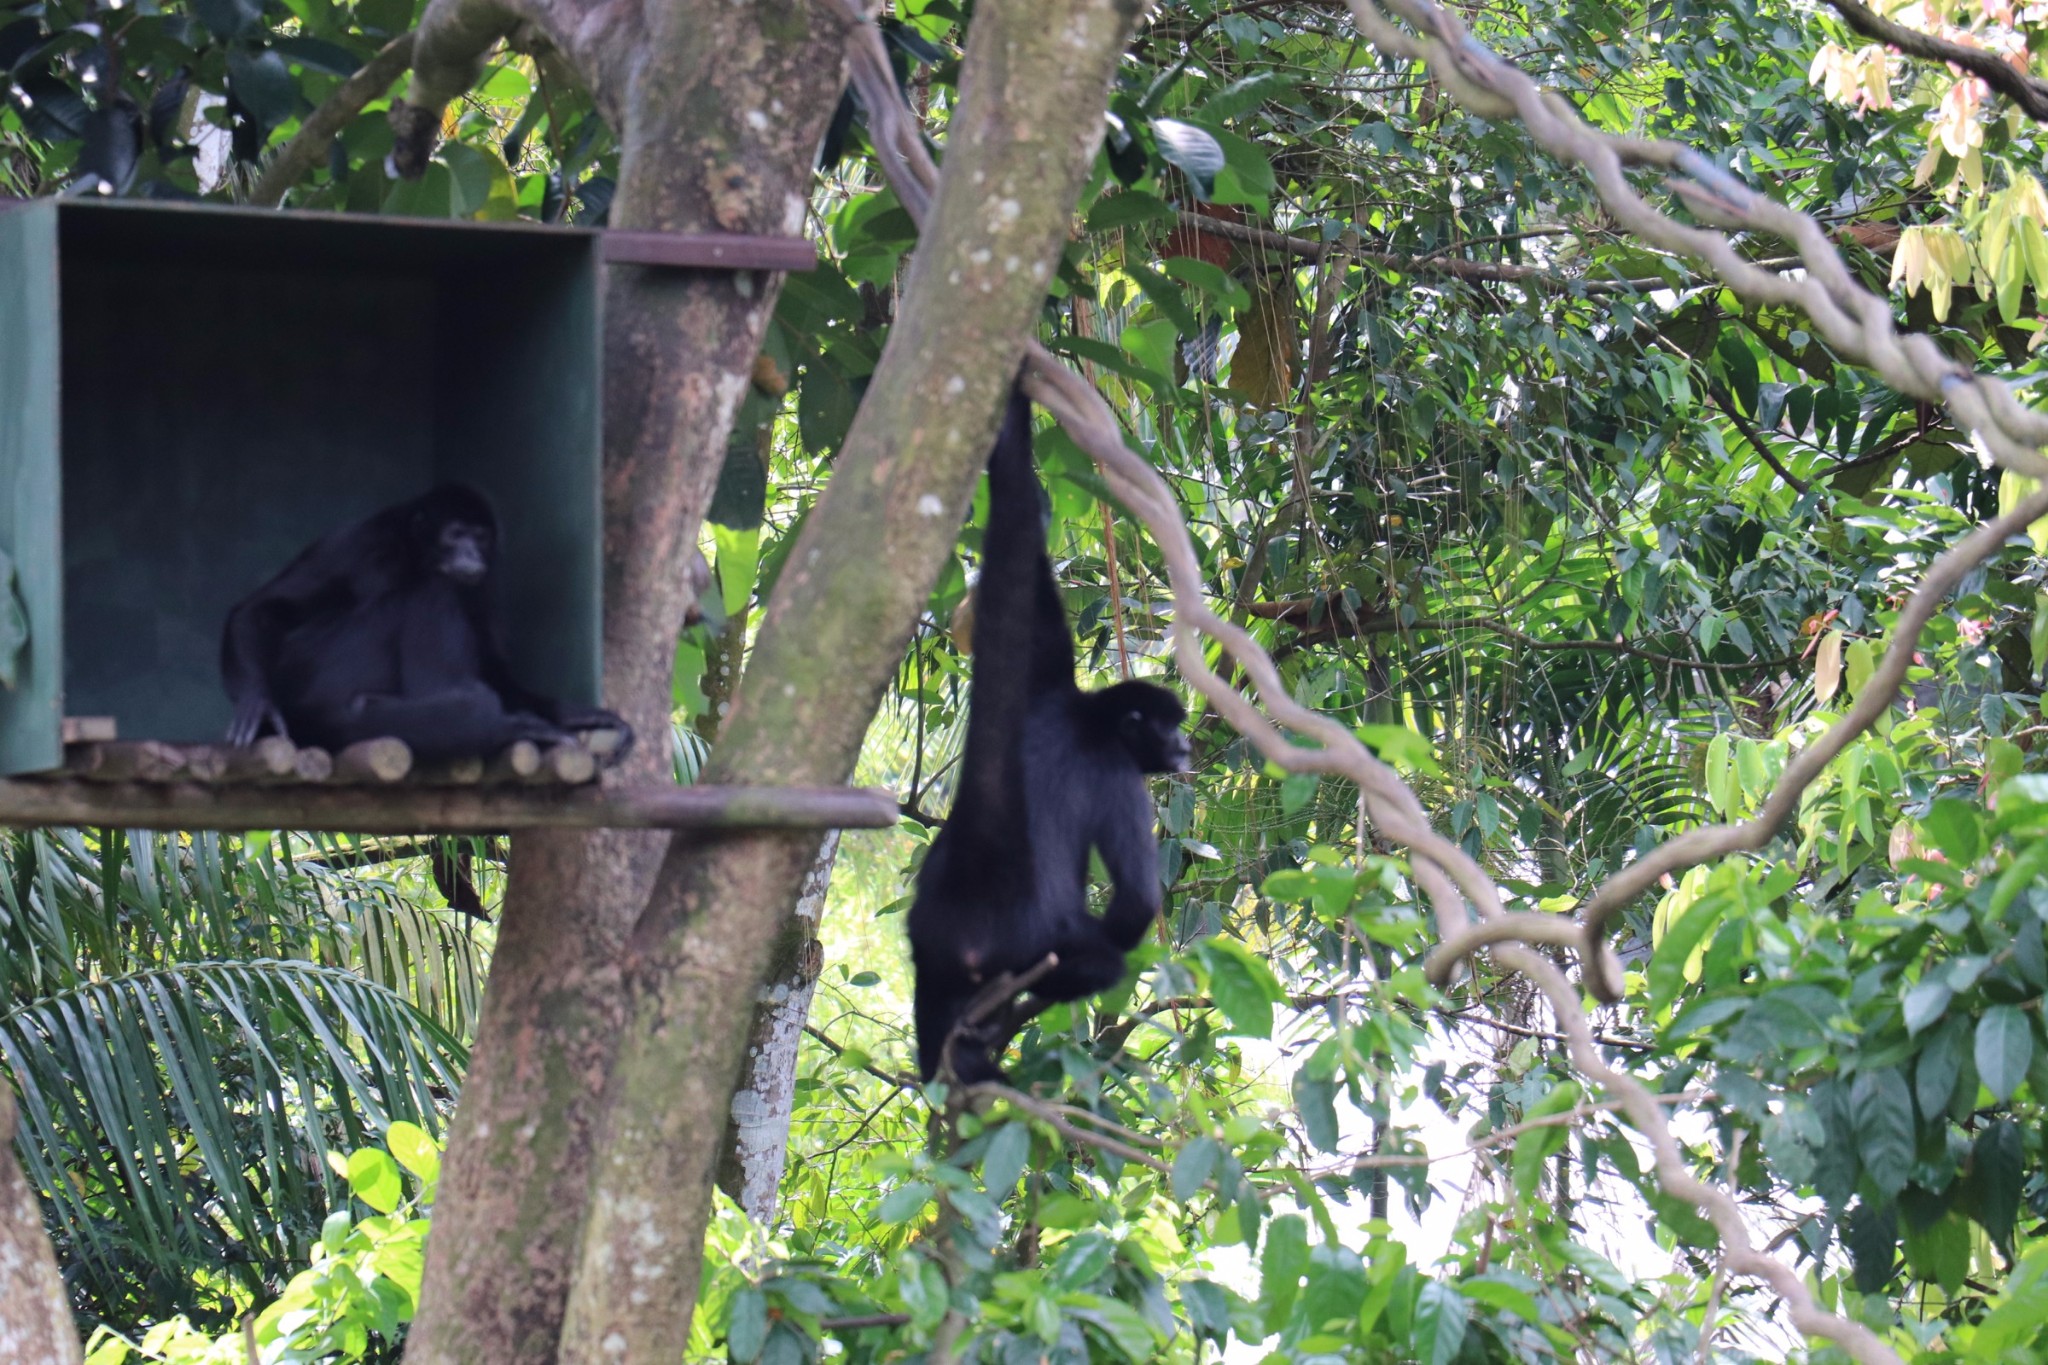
[[35, 1319], [757, 1130], [720, 123], [1019, 147]]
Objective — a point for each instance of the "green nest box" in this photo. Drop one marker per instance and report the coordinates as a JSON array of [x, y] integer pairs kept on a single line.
[[191, 395]]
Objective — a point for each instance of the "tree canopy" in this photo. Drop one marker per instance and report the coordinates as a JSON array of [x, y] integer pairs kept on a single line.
[[1544, 450]]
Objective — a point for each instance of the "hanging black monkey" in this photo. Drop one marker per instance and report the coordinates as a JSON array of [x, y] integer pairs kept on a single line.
[[1049, 772], [384, 627]]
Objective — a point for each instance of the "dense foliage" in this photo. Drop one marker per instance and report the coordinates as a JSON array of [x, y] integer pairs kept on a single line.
[[1582, 542]]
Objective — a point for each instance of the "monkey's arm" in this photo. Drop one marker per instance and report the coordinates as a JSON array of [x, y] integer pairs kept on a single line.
[[249, 641], [1014, 572]]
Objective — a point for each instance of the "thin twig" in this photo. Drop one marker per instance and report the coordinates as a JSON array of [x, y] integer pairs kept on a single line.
[[1051, 1116]]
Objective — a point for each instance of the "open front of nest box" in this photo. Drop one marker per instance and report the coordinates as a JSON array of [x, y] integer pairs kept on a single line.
[[191, 395]]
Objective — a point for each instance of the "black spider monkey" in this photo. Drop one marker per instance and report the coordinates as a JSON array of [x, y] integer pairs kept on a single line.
[[1049, 772], [384, 627]]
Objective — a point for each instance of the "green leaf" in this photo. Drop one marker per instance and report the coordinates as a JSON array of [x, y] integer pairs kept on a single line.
[[1082, 1259], [1506, 1297], [1335, 1290], [1955, 827], [263, 84], [1441, 1316], [1316, 1101], [414, 1149], [1281, 1267], [1247, 176], [1195, 151], [1400, 746], [1241, 97], [1872, 1237], [1244, 988], [1940, 1252], [1165, 295], [2005, 1044], [746, 1325], [1125, 209], [1211, 280], [1936, 1069], [1738, 362], [1003, 1162], [1537, 1145], [1126, 1326], [739, 556], [1997, 1177], [1721, 775], [904, 1202], [1881, 1107], [374, 1177], [1192, 1166], [1925, 1003]]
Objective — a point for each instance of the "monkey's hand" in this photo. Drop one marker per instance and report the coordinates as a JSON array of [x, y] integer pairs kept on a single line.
[[252, 713]]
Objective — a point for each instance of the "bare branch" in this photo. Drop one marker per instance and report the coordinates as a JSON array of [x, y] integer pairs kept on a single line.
[[324, 124], [1877, 696], [1485, 272]]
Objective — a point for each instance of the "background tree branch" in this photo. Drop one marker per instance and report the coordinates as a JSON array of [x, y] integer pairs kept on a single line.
[[2030, 93], [319, 129]]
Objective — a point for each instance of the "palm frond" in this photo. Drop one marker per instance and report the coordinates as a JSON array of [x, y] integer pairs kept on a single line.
[[177, 1120]]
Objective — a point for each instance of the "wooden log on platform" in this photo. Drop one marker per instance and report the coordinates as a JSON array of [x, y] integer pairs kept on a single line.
[[374, 760], [270, 759], [519, 762], [88, 730], [569, 764], [409, 809], [204, 762], [313, 765], [136, 760], [457, 772]]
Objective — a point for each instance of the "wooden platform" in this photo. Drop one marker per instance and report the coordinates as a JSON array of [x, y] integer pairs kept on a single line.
[[375, 788]]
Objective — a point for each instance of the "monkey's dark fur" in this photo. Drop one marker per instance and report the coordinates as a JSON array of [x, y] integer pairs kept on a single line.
[[384, 627], [1049, 772]]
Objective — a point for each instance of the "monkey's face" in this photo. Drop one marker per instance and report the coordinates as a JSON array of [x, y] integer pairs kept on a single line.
[[1148, 720], [1156, 742], [463, 552]]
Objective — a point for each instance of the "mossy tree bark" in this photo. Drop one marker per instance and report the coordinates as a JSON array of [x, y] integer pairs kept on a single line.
[[1034, 86]]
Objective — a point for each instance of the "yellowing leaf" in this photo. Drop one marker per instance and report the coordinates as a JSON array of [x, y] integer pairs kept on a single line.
[[1859, 661], [2013, 489], [1827, 666], [1263, 368]]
